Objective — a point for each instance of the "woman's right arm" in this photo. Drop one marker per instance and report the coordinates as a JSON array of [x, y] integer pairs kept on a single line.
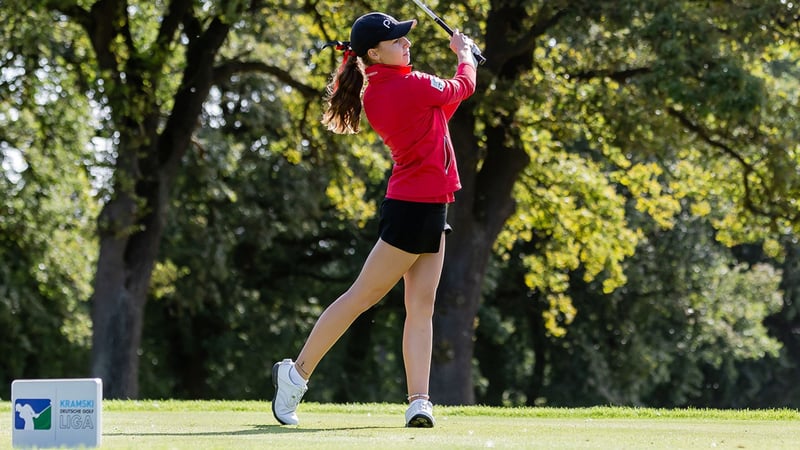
[[461, 45], [449, 93]]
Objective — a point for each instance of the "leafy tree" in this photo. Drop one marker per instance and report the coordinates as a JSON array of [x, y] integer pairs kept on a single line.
[[769, 381], [583, 109], [46, 244], [584, 104], [252, 243], [150, 66], [147, 69], [673, 336], [778, 374]]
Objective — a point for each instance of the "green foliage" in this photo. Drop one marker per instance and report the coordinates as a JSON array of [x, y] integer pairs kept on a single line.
[[47, 249], [566, 222], [253, 253], [657, 102], [686, 315], [658, 133]]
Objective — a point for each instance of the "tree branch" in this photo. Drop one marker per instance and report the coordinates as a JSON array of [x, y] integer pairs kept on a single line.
[[99, 23], [197, 80], [172, 20], [226, 69], [71, 9], [620, 76], [726, 149], [527, 42], [102, 30], [192, 27]]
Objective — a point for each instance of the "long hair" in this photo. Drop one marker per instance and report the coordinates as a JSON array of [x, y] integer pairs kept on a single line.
[[343, 95]]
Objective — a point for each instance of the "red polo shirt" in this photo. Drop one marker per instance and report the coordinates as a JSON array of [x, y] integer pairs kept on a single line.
[[409, 110]]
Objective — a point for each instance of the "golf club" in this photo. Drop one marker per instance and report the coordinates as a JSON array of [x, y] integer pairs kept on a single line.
[[476, 52]]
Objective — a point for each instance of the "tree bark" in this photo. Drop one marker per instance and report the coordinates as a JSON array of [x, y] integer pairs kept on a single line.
[[120, 290]]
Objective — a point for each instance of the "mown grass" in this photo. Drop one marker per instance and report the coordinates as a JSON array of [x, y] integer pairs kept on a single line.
[[199, 425]]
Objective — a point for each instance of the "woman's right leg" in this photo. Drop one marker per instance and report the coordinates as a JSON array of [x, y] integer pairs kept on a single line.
[[383, 268]]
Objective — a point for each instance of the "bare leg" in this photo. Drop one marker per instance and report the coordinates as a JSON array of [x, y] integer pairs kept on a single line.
[[383, 268], [421, 281]]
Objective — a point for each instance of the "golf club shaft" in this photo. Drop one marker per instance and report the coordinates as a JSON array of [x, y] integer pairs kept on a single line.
[[476, 52]]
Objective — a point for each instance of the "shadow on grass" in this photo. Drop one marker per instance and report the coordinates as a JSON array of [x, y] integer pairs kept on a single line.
[[258, 429]]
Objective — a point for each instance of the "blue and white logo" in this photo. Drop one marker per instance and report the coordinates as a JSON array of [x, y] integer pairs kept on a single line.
[[437, 83], [33, 414]]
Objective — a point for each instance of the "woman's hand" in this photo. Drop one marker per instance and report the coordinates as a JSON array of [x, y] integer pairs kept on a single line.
[[461, 45]]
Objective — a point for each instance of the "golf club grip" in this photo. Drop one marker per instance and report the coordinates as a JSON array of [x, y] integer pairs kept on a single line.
[[476, 52]]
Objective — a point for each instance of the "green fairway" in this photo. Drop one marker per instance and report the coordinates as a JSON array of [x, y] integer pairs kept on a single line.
[[200, 425]]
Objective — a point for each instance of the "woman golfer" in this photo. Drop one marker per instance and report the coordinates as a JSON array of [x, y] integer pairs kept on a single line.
[[409, 110]]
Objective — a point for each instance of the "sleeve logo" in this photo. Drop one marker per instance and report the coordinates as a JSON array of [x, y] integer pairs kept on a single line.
[[437, 84]]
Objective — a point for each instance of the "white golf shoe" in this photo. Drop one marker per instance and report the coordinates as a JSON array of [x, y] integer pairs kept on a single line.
[[287, 394], [420, 414]]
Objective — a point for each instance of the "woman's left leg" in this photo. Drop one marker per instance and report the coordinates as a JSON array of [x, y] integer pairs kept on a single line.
[[421, 281]]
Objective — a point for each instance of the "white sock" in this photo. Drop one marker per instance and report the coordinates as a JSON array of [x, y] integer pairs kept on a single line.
[[295, 377]]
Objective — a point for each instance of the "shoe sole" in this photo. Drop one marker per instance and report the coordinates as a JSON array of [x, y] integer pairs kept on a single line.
[[420, 421], [275, 395]]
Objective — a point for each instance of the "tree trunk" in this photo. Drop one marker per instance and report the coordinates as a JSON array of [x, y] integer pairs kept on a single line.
[[482, 208], [132, 222], [454, 321], [486, 200], [120, 290]]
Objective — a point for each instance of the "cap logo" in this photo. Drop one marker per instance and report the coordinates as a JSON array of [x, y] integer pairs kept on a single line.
[[387, 23]]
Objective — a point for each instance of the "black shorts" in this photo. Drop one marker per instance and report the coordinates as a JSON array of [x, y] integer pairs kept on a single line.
[[413, 227]]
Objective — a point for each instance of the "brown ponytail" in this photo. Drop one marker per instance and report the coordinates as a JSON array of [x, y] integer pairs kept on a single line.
[[343, 112]]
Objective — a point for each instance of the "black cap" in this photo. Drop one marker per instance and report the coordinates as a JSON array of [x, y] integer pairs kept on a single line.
[[370, 29]]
